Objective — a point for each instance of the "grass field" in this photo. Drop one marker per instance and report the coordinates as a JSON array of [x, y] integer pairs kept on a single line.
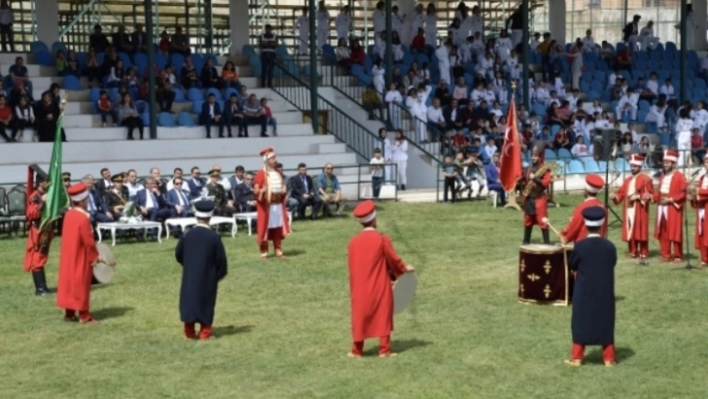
[[283, 326]]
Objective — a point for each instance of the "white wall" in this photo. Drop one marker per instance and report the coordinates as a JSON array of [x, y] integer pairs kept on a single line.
[[238, 21]]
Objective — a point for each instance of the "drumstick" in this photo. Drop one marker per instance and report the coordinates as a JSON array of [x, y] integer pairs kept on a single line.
[[546, 221]]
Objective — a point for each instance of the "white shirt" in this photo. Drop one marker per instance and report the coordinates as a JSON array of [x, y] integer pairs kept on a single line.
[[666, 183], [652, 85], [588, 44], [647, 31], [150, 200], [323, 20], [668, 91], [302, 24], [275, 181], [379, 21], [435, 115], [628, 100], [393, 96], [700, 118]]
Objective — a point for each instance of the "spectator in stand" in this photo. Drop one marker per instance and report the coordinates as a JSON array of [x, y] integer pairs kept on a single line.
[[393, 99], [270, 121], [449, 172], [545, 49], [453, 116], [60, 63], [399, 155], [418, 44], [139, 39], [229, 76], [117, 75], [411, 80], [493, 183], [302, 25], [180, 43], [623, 59], [189, 74], [580, 151], [164, 93], [376, 167], [233, 115], [98, 40], [19, 73], [211, 116], [358, 55], [344, 56], [253, 115], [209, 76], [371, 102], [6, 33], [104, 108], [442, 93], [330, 191], [631, 32], [626, 145], [72, 65], [129, 117], [698, 150], [302, 189], [24, 117], [6, 121], [47, 112], [121, 41], [165, 43], [109, 61], [92, 69], [268, 42], [436, 119]]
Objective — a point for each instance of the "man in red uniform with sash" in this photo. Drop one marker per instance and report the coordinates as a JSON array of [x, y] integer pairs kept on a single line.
[[536, 203], [271, 205], [635, 195], [700, 203], [670, 197], [373, 265], [576, 229], [76, 259], [37, 247]]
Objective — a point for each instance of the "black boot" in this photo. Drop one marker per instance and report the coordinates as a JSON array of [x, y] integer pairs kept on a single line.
[[44, 283], [527, 236], [546, 240], [38, 286]]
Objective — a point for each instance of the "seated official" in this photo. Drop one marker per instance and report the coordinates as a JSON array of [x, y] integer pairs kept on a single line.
[[453, 116], [178, 203], [236, 179], [233, 115], [243, 194], [151, 204], [223, 206], [329, 191], [254, 115], [97, 208], [493, 182], [195, 184], [116, 197], [304, 192], [292, 203], [211, 116]]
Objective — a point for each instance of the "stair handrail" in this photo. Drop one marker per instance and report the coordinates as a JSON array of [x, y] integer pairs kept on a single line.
[[83, 12]]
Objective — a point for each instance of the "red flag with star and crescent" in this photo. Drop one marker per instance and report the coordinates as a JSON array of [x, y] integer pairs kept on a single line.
[[510, 165]]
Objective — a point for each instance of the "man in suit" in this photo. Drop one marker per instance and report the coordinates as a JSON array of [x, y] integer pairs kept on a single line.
[[453, 116], [211, 116], [292, 203], [151, 204], [131, 182], [178, 203], [195, 184], [98, 211], [303, 191], [139, 39], [105, 184], [233, 115], [243, 194], [121, 41], [235, 180], [631, 33], [176, 174], [593, 263], [493, 183], [162, 188]]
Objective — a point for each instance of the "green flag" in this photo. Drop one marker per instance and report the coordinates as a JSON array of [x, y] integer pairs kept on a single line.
[[57, 198]]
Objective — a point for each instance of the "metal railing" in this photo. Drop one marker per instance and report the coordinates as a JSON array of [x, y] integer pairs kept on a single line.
[[332, 120], [364, 182]]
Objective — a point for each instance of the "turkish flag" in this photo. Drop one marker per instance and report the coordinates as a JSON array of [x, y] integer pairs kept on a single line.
[[510, 168]]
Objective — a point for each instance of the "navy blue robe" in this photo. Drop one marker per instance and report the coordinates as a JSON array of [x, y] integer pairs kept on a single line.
[[203, 258], [593, 319]]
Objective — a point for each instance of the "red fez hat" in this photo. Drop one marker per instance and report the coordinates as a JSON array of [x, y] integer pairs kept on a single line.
[[267, 153], [671, 155], [78, 192], [593, 183], [365, 212], [636, 160]]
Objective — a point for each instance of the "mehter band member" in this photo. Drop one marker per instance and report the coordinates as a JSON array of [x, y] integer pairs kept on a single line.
[[535, 203], [271, 196], [635, 195], [37, 248], [576, 230]]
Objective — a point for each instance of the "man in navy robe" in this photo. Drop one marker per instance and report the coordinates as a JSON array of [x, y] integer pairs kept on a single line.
[[593, 262], [203, 258]]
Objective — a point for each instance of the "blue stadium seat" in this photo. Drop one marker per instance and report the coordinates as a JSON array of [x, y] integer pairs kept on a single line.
[[44, 58], [71, 82], [215, 92], [126, 60], [145, 116], [179, 96], [591, 166], [576, 167], [38, 46], [166, 119], [185, 119], [195, 94], [177, 60], [197, 106], [564, 154], [549, 154], [56, 46], [94, 94]]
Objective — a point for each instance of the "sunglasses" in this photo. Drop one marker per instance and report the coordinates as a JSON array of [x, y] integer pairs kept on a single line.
[[178, 184], [66, 180]]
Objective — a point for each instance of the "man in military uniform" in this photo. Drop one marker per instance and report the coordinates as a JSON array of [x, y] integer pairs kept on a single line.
[[117, 197], [223, 205], [535, 203], [37, 248]]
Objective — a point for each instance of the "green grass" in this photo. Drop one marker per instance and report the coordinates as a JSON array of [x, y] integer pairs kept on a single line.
[[283, 326]]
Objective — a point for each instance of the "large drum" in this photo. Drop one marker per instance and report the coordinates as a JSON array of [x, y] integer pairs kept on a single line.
[[103, 271], [544, 277]]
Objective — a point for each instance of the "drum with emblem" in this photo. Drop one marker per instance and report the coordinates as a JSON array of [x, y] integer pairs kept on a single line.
[[544, 277]]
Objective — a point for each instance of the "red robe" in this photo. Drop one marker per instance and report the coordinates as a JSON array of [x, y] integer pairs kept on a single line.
[[78, 254], [576, 230], [537, 199], [700, 238], [638, 229], [263, 202], [37, 248], [373, 264], [674, 213]]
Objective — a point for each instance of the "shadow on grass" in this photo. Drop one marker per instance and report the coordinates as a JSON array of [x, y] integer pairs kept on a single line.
[[619, 298], [111, 313], [291, 253], [399, 346], [621, 354], [230, 330]]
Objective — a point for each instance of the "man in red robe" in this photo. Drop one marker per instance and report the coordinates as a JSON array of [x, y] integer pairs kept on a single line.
[[373, 265], [700, 203], [576, 229], [671, 197], [37, 247], [76, 259], [536, 203], [271, 205], [635, 195]]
